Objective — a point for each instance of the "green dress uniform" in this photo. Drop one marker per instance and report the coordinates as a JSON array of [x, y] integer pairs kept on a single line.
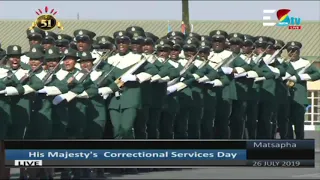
[[237, 122], [206, 75], [20, 104], [159, 92], [95, 105], [304, 71], [127, 101], [8, 80], [171, 108]]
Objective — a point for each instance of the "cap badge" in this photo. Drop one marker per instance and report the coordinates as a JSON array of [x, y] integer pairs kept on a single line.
[[173, 41], [50, 51], [202, 38], [293, 44], [46, 33], [15, 48], [135, 34], [66, 51], [218, 32], [59, 37], [120, 34], [84, 54], [189, 41], [133, 29], [190, 35], [235, 35], [32, 31], [80, 33], [260, 39], [161, 42], [34, 50], [173, 34], [103, 39], [203, 44], [74, 39]]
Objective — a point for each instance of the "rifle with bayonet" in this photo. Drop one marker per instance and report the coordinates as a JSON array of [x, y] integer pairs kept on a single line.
[[30, 74], [99, 82]]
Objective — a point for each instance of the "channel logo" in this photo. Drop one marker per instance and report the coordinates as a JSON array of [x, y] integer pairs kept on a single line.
[[284, 19]]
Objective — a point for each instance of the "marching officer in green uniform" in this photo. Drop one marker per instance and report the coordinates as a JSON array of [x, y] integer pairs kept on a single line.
[[63, 41], [105, 43], [298, 73], [35, 37], [237, 122], [181, 88], [251, 111], [84, 41], [130, 71], [205, 74], [137, 41], [159, 83], [268, 88], [49, 40], [225, 85]]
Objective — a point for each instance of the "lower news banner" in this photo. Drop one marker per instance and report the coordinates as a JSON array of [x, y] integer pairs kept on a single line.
[[113, 158]]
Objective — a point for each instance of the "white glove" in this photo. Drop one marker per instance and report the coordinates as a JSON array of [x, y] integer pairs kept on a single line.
[[58, 99], [227, 70], [252, 74], [128, 77], [42, 91], [240, 75], [155, 78], [3, 92], [210, 82], [305, 77], [171, 89], [104, 91], [11, 91], [293, 78], [203, 79]]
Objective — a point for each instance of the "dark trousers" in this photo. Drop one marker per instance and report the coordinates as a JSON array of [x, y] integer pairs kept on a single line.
[[209, 113], [252, 118], [221, 124], [237, 122], [296, 118], [266, 111], [181, 124], [166, 125], [153, 123], [282, 120], [140, 125], [194, 122]]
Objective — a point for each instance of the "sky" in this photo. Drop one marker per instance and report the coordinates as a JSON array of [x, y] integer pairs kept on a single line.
[[157, 10]]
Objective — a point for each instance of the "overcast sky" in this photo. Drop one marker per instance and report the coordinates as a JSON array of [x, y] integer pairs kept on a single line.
[[158, 10]]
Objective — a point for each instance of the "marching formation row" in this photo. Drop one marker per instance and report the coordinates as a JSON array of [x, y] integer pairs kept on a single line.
[[215, 86]]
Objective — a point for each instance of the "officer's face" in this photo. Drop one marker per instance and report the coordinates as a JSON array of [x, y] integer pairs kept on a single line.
[[83, 45], [174, 54], [270, 50], [69, 63], [123, 47], [87, 65], [52, 64], [34, 41], [62, 48], [14, 62], [34, 63], [235, 48], [259, 50], [204, 54], [247, 48], [136, 48], [218, 45], [148, 48], [294, 54], [188, 53], [163, 53], [47, 46]]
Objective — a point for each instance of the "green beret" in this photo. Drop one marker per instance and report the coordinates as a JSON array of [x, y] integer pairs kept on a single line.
[[150, 38], [104, 40], [164, 44], [249, 39], [63, 40], [261, 41]]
